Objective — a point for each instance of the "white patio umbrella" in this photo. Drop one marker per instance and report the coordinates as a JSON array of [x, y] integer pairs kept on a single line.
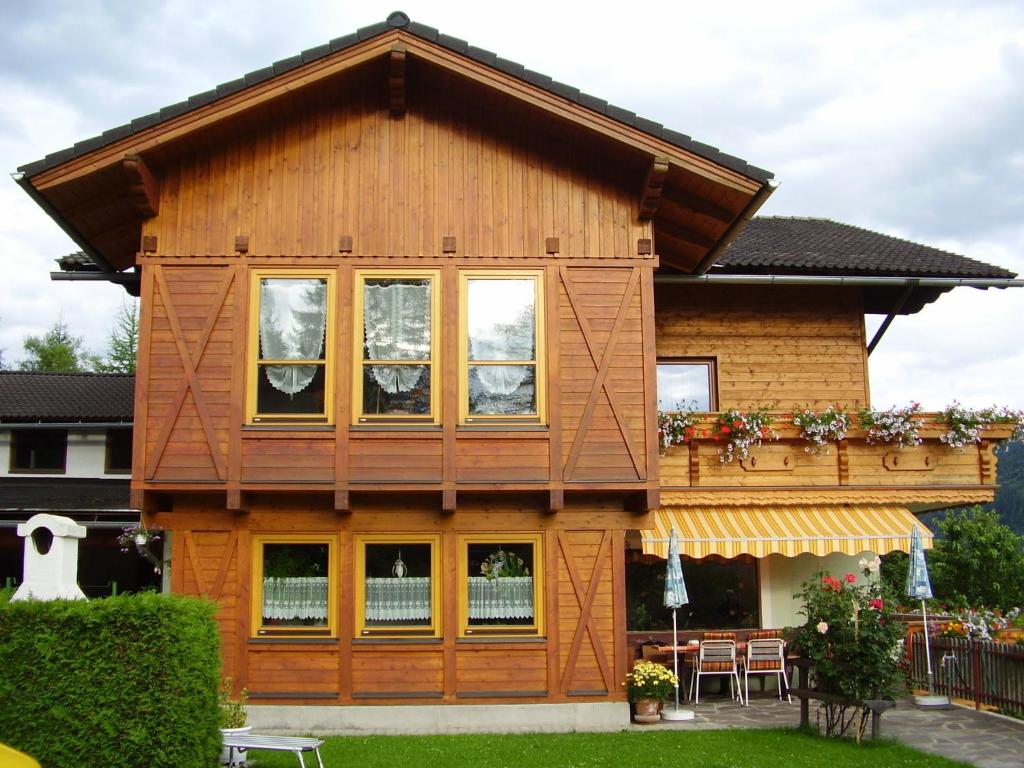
[[920, 588], [675, 598]]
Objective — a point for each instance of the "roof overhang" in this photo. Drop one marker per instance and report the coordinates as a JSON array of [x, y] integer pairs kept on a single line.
[[102, 190]]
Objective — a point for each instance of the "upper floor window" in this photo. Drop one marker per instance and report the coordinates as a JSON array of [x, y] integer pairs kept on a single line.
[[39, 450], [687, 385], [290, 342], [395, 376], [501, 376], [118, 452]]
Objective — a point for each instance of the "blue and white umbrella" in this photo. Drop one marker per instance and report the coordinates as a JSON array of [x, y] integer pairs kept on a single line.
[[675, 598], [920, 588]]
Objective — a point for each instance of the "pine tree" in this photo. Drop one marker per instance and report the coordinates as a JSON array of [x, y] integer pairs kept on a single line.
[[122, 344], [55, 352]]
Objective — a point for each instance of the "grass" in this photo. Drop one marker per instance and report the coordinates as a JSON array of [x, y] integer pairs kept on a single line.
[[708, 749]]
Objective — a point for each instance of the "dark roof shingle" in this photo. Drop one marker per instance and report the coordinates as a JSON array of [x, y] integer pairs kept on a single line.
[[400, 20], [66, 397], [790, 245]]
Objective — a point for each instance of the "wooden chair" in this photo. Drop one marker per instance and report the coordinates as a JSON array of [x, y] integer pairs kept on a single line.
[[716, 657], [765, 657]]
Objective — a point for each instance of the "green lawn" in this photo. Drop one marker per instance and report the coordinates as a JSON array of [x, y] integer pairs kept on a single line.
[[628, 749]]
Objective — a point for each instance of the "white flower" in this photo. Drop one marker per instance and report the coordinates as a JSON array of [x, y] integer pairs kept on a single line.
[[871, 566], [822, 627]]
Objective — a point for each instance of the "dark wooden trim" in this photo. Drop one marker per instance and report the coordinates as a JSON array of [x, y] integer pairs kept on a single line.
[[619, 617], [143, 187], [397, 641], [551, 606], [500, 694], [553, 311], [397, 695], [243, 577], [396, 80], [279, 640], [345, 328], [587, 692], [293, 694]]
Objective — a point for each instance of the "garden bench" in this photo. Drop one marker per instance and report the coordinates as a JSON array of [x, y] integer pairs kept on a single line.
[[876, 706], [294, 744]]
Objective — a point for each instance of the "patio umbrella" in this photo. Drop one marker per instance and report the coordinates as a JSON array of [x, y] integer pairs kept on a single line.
[[920, 588], [675, 598]]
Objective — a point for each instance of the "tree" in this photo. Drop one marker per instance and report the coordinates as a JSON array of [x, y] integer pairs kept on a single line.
[[978, 560], [122, 343], [55, 352]]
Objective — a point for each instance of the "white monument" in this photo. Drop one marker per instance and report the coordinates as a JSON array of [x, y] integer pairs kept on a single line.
[[51, 559]]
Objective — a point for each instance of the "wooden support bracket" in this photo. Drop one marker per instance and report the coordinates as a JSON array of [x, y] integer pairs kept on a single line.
[[698, 204], [396, 81], [986, 465], [149, 243], [654, 182], [342, 503], [233, 501], [448, 499], [843, 462], [694, 463], [143, 187], [556, 500]]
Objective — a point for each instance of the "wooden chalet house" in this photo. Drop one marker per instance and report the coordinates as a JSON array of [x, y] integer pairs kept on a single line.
[[405, 309]]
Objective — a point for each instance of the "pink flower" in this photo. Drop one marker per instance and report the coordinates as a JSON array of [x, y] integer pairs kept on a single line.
[[876, 604], [850, 578]]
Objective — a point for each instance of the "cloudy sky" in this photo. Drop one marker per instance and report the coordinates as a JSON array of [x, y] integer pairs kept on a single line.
[[893, 116]]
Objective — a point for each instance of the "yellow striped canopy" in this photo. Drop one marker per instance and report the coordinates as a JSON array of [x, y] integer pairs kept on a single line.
[[782, 530]]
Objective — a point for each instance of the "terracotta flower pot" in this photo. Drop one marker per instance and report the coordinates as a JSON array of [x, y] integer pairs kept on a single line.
[[647, 710]]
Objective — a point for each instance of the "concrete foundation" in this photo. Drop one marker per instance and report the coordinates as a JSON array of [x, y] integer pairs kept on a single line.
[[431, 719]]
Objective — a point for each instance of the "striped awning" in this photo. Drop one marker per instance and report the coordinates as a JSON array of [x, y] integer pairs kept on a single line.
[[782, 530]]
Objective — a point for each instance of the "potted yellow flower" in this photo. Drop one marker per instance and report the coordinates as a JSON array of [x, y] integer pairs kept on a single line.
[[647, 686]]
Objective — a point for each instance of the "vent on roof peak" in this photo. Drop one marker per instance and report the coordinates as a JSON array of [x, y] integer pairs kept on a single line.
[[398, 19]]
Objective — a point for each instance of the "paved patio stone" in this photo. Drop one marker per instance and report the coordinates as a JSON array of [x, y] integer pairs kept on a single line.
[[979, 738]]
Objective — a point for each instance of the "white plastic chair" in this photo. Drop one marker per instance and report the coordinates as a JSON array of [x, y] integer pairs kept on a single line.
[[765, 657], [717, 657]]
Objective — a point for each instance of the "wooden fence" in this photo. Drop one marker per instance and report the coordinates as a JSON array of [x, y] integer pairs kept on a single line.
[[985, 672]]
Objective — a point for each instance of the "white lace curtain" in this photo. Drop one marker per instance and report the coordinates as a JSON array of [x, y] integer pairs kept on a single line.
[[506, 597], [295, 597], [501, 327], [393, 599], [292, 320], [396, 319]]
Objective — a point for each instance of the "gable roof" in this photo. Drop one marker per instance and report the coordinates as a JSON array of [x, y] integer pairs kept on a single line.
[[102, 190], [810, 246], [399, 20], [58, 398]]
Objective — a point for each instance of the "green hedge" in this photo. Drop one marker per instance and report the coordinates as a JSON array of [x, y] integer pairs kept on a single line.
[[125, 681]]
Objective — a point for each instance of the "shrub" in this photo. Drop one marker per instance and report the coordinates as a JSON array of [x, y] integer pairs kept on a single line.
[[125, 681]]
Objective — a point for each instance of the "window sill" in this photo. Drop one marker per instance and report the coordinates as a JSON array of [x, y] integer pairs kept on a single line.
[[287, 427], [396, 641], [383, 427], [278, 640]]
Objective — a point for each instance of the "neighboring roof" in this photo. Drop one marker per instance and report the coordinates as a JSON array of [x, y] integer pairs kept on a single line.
[[790, 245], [66, 397], [399, 20]]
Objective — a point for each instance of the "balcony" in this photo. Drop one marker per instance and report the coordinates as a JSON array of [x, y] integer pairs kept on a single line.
[[928, 475]]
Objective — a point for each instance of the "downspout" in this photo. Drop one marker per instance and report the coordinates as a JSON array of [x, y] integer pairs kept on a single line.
[[736, 227]]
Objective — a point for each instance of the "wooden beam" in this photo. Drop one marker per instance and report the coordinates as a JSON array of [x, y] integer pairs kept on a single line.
[[448, 497], [396, 80], [556, 500], [143, 186], [675, 231], [697, 204], [654, 183], [342, 504]]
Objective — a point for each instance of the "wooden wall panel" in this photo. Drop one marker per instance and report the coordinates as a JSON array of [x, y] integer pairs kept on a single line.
[[514, 670], [208, 561], [777, 346], [189, 373], [392, 669], [586, 630], [389, 458], [288, 669], [483, 459], [296, 460], [334, 162], [601, 364]]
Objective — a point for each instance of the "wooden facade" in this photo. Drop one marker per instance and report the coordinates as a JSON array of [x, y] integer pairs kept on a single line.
[[395, 154]]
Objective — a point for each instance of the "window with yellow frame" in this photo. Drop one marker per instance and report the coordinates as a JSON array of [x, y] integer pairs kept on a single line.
[[501, 347], [397, 585], [396, 366], [294, 578], [501, 585], [291, 333]]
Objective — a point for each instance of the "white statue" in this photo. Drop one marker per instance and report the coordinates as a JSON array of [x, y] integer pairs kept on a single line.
[[51, 559]]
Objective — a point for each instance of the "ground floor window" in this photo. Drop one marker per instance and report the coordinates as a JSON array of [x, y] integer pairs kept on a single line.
[[397, 579], [723, 594], [500, 585], [294, 585]]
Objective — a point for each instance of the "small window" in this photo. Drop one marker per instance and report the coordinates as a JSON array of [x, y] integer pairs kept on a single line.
[[396, 366], [294, 579], [39, 450], [501, 587], [119, 452], [501, 347], [397, 585], [290, 343], [687, 385]]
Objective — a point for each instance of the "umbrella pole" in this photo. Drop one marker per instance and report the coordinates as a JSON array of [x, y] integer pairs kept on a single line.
[[675, 654], [927, 649]]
